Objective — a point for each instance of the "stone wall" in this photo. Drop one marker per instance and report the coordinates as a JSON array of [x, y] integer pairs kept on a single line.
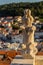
[[39, 60]]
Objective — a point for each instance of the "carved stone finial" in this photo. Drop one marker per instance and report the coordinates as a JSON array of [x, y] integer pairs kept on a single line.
[[27, 18], [28, 32]]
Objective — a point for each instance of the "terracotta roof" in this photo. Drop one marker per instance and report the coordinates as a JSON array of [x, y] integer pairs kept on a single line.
[[11, 53], [39, 53], [1, 29], [2, 52]]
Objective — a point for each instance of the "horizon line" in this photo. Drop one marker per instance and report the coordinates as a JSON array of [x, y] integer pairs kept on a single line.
[[19, 2]]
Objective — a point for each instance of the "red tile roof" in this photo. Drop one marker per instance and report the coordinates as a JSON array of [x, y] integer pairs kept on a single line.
[[39, 53]]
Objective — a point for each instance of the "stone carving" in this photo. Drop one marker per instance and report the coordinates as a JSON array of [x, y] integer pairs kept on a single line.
[[27, 23], [28, 32]]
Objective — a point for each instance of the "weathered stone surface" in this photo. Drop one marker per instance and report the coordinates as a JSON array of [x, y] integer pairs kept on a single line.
[[39, 62]]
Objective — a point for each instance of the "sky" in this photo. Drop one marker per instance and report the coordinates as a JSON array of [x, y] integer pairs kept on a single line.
[[12, 1]]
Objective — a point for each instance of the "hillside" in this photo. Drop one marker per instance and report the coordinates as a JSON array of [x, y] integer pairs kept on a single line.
[[14, 9]]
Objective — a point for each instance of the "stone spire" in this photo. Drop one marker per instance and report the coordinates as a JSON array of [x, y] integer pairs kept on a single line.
[[28, 32]]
